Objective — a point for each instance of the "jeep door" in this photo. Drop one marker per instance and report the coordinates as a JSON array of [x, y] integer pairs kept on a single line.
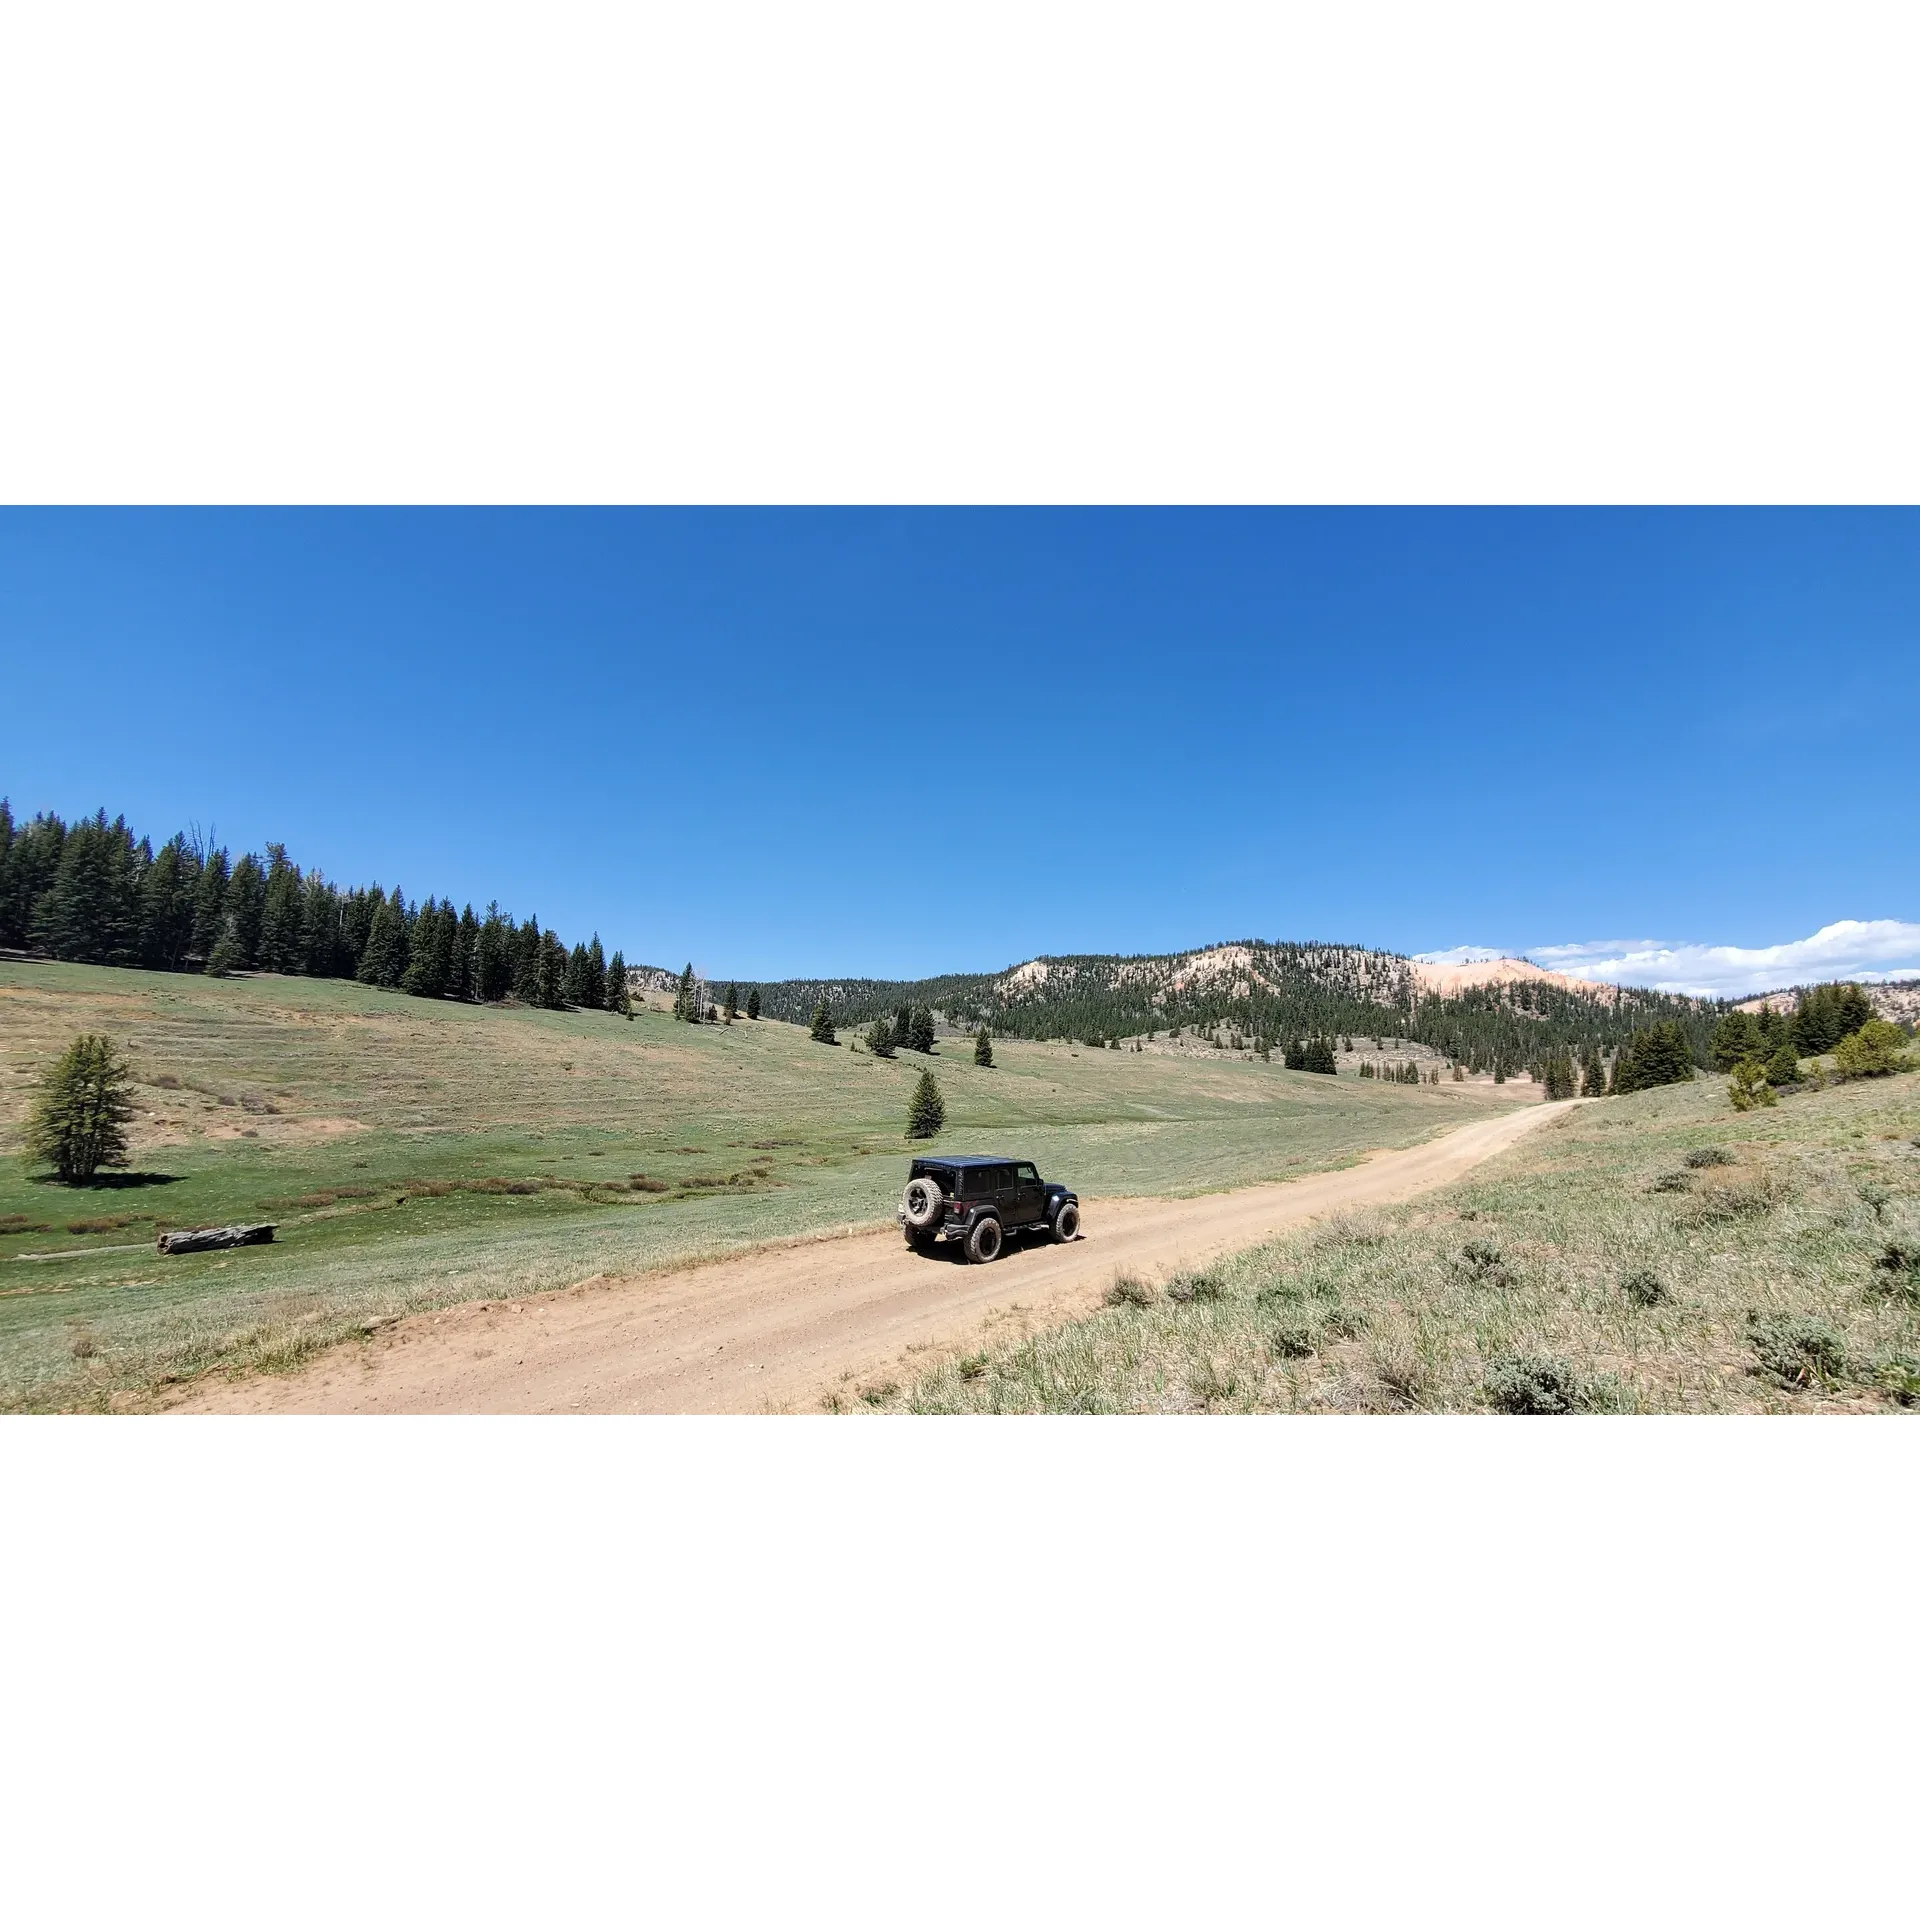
[[1026, 1203]]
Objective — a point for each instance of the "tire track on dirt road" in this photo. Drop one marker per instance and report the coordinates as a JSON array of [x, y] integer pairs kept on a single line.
[[774, 1329]]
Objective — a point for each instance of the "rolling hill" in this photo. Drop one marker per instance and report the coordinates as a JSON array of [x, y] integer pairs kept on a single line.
[[1512, 1013]]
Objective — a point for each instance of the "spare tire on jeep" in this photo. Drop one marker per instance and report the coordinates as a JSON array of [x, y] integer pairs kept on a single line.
[[923, 1204]]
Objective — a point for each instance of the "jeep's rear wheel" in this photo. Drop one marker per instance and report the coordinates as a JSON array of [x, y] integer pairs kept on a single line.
[[983, 1243], [923, 1204], [1066, 1223]]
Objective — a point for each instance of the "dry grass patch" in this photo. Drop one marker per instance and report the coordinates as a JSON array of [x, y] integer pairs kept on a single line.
[[1781, 1273]]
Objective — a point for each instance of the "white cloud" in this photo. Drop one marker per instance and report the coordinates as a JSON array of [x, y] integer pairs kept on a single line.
[[1847, 950]]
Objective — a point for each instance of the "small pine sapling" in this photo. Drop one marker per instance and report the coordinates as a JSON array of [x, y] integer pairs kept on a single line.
[[982, 1049], [927, 1113]]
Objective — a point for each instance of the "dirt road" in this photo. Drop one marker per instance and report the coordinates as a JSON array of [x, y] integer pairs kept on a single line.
[[776, 1329]]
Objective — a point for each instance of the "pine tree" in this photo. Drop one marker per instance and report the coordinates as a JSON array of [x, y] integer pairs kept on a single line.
[[880, 1038], [730, 1008], [321, 949], [78, 1123], [593, 978], [550, 974], [527, 944], [225, 957], [280, 916], [1656, 1056], [432, 957], [1747, 1086], [246, 902], [753, 1003], [920, 1030], [356, 925], [460, 963], [492, 961], [619, 994], [576, 987], [1594, 1082], [166, 905], [903, 1025], [1733, 1040], [822, 1028], [385, 961], [982, 1049], [927, 1113], [210, 901], [683, 1000], [91, 911]]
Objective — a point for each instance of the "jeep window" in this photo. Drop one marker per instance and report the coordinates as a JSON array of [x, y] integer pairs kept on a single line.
[[981, 1180], [1026, 1174]]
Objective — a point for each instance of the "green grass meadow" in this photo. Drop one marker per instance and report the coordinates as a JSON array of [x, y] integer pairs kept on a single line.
[[1658, 1253], [416, 1153]]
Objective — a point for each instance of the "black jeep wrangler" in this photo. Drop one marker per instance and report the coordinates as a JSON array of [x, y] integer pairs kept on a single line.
[[978, 1201]]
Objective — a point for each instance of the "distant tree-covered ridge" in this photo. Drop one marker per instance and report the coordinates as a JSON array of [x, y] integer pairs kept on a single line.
[[92, 892], [1287, 995]]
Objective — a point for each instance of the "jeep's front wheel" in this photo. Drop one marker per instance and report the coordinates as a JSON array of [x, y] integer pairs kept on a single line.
[[983, 1243], [1066, 1223]]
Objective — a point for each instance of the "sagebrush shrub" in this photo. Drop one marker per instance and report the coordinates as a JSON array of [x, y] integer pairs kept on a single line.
[[1896, 1274], [1129, 1291], [1797, 1349], [1290, 1342], [1481, 1262], [1674, 1182], [1644, 1289], [1536, 1385], [1710, 1157], [1196, 1289]]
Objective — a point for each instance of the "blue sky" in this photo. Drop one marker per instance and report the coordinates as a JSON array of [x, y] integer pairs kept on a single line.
[[900, 741]]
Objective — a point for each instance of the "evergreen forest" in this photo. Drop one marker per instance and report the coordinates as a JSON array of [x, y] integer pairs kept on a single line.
[[93, 893]]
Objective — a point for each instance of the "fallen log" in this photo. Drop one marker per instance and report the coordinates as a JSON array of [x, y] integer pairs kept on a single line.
[[209, 1239]]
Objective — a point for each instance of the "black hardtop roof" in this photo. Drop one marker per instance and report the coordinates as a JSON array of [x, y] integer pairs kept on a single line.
[[965, 1159]]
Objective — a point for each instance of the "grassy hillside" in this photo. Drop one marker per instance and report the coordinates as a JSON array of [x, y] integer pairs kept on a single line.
[[1659, 1253], [416, 1152]]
